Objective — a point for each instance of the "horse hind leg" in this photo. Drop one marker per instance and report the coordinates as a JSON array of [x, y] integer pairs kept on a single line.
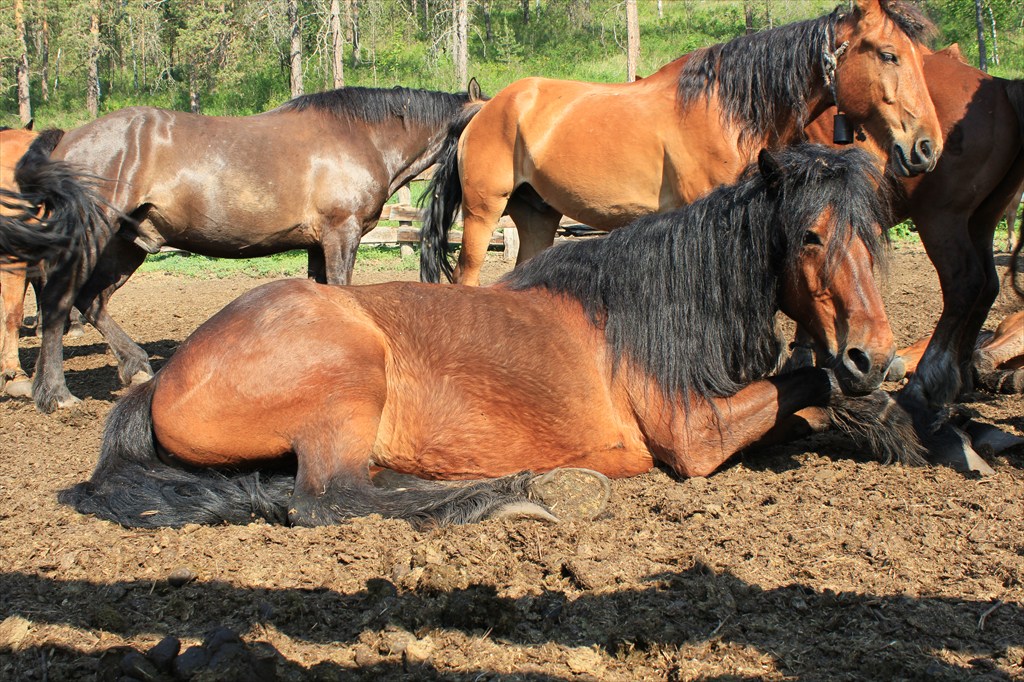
[[13, 380], [537, 224]]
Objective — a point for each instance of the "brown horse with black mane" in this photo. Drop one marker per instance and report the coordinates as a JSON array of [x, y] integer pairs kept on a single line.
[[312, 174], [956, 209], [605, 154], [651, 345]]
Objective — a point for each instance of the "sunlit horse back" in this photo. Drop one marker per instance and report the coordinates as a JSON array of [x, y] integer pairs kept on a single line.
[[609, 354], [604, 154]]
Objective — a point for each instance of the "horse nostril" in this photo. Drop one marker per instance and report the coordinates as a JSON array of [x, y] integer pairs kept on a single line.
[[859, 359], [924, 149]]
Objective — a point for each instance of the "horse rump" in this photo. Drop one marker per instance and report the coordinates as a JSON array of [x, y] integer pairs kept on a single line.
[[132, 486]]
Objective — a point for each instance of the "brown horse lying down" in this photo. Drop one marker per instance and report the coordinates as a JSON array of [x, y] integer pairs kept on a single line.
[[998, 360], [650, 346]]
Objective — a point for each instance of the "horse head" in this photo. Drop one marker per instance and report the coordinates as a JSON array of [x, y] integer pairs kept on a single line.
[[828, 286], [878, 81]]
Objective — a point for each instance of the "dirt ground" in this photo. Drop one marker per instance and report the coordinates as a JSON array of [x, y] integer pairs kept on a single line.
[[808, 561]]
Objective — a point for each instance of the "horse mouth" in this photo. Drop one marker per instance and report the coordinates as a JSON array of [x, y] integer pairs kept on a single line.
[[900, 164]]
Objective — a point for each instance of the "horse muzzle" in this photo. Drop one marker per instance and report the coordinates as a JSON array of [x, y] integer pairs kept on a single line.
[[859, 372], [920, 157]]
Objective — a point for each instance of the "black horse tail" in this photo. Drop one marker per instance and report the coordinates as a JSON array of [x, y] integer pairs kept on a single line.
[[1015, 92], [444, 195], [56, 210], [132, 486]]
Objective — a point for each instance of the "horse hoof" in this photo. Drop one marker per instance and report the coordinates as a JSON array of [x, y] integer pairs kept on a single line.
[[140, 378], [75, 332], [19, 388], [572, 493], [952, 447], [519, 510], [897, 369], [986, 437], [70, 401]]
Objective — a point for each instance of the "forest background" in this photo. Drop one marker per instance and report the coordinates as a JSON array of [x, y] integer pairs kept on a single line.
[[64, 62]]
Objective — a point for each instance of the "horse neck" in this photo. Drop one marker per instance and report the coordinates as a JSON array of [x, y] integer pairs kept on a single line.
[[408, 150]]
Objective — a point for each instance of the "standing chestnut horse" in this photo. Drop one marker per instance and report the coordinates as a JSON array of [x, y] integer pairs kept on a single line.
[[652, 345], [607, 153], [956, 209], [313, 173]]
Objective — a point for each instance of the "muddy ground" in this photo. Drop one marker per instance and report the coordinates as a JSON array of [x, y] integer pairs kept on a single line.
[[808, 561]]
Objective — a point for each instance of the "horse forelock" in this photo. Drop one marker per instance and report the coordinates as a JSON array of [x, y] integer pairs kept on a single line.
[[690, 296], [910, 19], [378, 105]]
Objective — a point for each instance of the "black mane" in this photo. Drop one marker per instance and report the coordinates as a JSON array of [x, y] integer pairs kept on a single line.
[[376, 105], [764, 76], [690, 296]]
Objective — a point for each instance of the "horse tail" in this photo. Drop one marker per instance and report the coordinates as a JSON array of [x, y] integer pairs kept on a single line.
[[132, 486], [1015, 93], [56, 210], [444, 195]]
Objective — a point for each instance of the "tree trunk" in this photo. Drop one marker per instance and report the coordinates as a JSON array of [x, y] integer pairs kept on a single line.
[[44, 57], [460, 53], [337, 45], [526, 12], [995, 39], [661, 10], [488, 26], [353, 19], [295, 53], [748, 17], [632, 40], [24, 97], [93, 92], [982, 62]]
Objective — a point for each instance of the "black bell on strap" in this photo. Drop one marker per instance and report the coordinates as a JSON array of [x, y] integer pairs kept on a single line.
[[842, 131]]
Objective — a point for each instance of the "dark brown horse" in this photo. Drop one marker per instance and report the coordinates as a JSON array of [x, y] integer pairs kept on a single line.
[[312, 174], [607, 153], [651, 345], [956, 209]]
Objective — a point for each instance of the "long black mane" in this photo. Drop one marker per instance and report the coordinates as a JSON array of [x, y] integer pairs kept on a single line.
[[377, 105], [690, 296], [762, 77]]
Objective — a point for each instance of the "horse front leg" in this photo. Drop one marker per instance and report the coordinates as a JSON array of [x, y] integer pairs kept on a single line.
[[340, 244], [709, 434], [13, 380]]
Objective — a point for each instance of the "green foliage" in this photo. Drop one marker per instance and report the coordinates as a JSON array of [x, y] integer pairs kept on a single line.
[[289, 264]]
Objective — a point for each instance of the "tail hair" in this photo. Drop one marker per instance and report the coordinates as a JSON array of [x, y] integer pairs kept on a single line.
[[56, 211], [444, 195]]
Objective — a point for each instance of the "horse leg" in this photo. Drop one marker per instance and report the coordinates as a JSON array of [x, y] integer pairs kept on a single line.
[[537, 228], [13, 379], [965, 284], [484, 201], [120, 259], [340, 243], [999, 362]]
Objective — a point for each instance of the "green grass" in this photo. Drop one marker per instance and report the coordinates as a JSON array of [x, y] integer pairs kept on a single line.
[[289, 264]]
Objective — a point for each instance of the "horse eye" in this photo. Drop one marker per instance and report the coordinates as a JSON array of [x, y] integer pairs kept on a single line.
[[888, 57], [811, 238]]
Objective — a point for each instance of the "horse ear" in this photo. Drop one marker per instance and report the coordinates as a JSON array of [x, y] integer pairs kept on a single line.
[[474, 90], [770, 169], [869, 8], [31, 122]]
